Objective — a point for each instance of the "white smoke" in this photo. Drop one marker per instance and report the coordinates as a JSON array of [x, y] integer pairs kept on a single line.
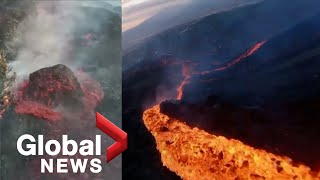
[[44, 37]]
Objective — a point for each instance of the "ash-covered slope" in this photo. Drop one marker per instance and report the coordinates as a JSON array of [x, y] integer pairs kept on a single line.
[[285, 68], [281, 67], [171, 14], [221, 36]]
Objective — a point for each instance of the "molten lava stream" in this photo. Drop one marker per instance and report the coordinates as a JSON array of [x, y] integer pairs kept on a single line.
[[195, 154], [186, 75], [249, 52], [246, 54]]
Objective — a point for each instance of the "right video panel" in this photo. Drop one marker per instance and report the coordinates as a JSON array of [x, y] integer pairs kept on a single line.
[[221, 89]]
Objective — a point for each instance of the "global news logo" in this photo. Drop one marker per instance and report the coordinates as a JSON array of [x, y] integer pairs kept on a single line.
[[28, 145]]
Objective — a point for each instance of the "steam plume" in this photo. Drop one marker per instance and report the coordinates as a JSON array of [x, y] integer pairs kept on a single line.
[[44, 37]]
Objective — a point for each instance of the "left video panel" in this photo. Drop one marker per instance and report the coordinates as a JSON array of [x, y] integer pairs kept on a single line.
[[60, 63]]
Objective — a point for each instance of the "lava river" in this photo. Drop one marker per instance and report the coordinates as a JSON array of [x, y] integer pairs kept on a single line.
[[193, 153]]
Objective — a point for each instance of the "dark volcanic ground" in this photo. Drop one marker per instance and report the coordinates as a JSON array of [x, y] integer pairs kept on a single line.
[[220, 37], [268, 100]]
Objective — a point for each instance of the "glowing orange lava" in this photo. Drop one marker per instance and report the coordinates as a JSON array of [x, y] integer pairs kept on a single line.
[[195, 154], [235, 61], [186, 75], [246, 54]]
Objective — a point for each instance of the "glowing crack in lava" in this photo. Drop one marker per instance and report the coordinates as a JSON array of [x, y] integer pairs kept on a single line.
[[93, 92], [246, 54], [57, 86], [249, 52], [186, 75], [195, 154]]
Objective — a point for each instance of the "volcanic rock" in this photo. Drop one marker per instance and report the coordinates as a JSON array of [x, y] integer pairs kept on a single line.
[[53, 86]]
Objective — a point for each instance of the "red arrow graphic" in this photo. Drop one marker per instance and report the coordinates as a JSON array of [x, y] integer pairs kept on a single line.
[[115, 133]]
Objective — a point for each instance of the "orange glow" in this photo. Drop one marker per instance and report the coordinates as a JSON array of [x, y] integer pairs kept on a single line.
[[195, 154], [246, 54], [235, 61], [186, 75]]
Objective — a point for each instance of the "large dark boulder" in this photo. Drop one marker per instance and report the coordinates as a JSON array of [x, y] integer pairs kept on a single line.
[[53, 86]]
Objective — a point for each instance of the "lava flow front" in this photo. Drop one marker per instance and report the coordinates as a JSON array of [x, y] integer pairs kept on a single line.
[[195, 154]]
